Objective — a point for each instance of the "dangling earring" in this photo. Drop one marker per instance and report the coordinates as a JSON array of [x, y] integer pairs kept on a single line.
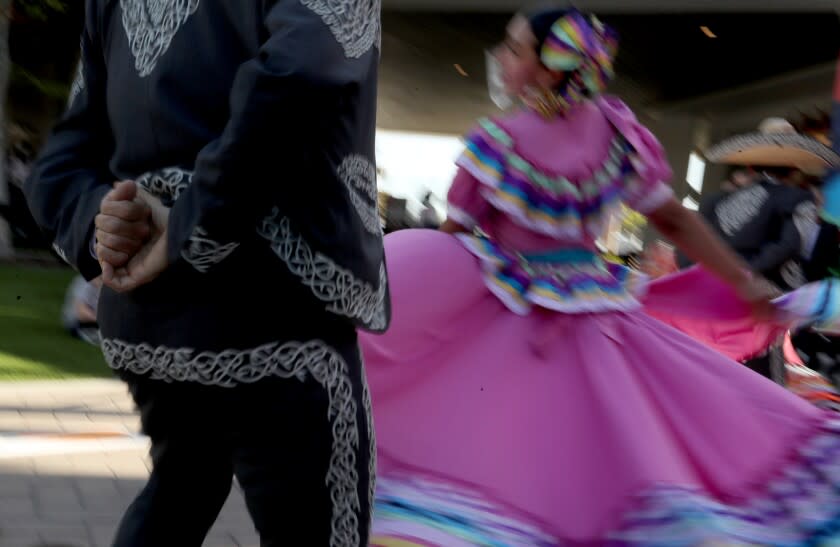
[[545, 101]]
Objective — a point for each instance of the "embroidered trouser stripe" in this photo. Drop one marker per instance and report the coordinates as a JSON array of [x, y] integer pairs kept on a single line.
[[298, 440]]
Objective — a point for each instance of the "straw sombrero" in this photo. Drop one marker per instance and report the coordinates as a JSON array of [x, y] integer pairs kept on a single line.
[[775, 144]]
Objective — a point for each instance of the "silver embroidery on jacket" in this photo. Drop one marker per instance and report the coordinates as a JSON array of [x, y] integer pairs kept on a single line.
[[150, 26], [203, 253], [359, 177], [299, 360], [338, 287], [166, 184], [355, 24], [736, 211]]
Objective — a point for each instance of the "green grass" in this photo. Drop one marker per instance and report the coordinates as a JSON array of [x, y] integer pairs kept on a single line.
[[33, 344]]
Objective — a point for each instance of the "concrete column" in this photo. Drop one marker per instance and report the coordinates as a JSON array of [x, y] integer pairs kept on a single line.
[[676, 132]]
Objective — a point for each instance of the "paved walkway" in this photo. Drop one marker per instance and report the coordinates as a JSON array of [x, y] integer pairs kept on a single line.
[[70, 463]]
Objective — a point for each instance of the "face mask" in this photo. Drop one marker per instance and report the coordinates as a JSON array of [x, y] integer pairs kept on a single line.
[[495, 82]]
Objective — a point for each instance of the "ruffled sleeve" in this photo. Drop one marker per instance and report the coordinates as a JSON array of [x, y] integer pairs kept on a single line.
[[647, 189], [466, 205]]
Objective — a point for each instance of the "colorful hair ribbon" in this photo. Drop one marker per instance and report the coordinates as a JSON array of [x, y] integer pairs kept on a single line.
[[581, 44]]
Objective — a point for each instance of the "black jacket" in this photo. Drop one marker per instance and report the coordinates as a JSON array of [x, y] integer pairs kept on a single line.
[[255, 122], [824, 259], [772, 226]]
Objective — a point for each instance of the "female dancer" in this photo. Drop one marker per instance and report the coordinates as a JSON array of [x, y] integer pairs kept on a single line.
[[524, 397]]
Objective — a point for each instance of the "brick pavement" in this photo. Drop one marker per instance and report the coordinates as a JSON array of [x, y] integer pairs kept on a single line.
[[71, 462]]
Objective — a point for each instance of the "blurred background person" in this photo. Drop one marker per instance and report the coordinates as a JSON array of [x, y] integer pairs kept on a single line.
[[771, 221], [658, 259], [79, 312]]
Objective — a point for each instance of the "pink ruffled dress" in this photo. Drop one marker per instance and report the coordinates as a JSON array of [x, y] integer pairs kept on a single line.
[[525, 396]]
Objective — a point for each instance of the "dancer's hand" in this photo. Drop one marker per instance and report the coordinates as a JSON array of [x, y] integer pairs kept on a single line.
[[150, 261], [759, 294], [123, 224]]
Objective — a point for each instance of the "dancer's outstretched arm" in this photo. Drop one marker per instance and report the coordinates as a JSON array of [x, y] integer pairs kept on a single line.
[[688, 231]]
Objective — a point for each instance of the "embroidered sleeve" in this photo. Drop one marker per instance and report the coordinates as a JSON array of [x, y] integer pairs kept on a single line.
[[647, 186], [71, 176], [202, 252], [807, 222], [466, 205], [280, 101]]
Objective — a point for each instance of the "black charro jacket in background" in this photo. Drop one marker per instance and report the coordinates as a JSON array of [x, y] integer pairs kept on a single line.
[[770, 225]]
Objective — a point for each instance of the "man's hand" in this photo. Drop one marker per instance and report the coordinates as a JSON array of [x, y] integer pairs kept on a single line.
[[150, 261], [123, 225]]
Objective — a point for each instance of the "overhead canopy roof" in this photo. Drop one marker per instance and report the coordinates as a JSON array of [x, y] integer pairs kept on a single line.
[[626, 6], [422, 89]]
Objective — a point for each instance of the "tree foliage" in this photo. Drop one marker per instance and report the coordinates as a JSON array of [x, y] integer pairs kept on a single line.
[[40, 9], [26, 76]]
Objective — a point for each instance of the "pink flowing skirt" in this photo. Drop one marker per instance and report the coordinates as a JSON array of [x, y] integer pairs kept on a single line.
[[591, 429]]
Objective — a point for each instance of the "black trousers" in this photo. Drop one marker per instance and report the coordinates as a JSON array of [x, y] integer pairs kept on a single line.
[[819, 352], [771, 365], [300, 448]]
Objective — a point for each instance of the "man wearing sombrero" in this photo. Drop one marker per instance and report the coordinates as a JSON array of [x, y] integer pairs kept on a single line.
[[772, 223]]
